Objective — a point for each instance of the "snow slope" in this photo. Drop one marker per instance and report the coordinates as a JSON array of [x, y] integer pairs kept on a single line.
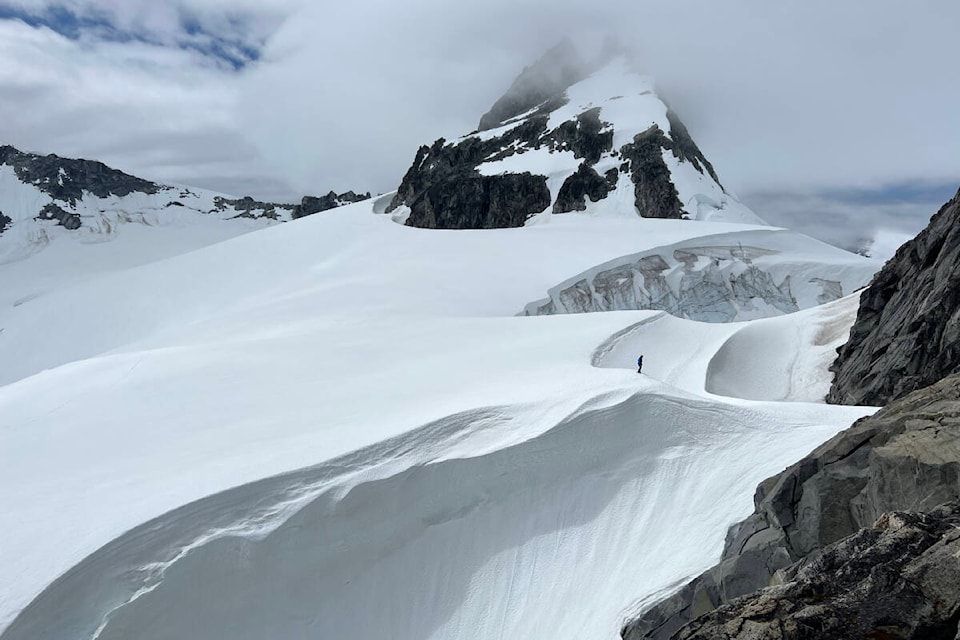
[[337, 427]]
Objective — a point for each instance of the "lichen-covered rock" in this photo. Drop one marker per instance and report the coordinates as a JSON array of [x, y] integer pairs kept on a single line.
[[907, 332], [899, 578], [904, 457]]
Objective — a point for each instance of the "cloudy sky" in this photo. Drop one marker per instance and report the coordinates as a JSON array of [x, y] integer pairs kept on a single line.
[[838, 118]]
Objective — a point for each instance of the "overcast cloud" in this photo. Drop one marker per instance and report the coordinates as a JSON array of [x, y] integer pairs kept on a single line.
[[792, 101]]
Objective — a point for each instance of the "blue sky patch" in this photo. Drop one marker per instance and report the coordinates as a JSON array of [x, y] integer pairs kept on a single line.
[[230, 51]]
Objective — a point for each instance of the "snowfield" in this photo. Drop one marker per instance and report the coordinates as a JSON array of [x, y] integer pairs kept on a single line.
[[337, 427]]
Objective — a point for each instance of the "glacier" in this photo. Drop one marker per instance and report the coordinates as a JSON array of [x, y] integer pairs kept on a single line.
[[339, 426]]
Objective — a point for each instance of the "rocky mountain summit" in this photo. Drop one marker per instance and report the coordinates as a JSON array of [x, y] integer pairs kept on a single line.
[[907, 332], [566, 136], [906, 457], [76, 193]]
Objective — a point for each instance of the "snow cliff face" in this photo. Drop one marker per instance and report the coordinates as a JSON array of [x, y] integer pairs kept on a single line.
[[742, 275], [567, 137]]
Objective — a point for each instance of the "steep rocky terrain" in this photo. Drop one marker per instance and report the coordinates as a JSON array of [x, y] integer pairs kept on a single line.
[[907, 333], [905, 457], [566, 134], [899, 578]]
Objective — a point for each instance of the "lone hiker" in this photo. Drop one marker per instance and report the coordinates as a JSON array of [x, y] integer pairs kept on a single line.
[[640, 364]]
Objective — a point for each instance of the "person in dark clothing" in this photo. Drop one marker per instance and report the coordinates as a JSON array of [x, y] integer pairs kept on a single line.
[[640, 364]]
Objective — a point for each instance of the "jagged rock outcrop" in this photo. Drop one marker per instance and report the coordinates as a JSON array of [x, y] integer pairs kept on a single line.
[[585, 183], [904, 457], [67, 179], [310, 205], [247, 207], [444, 189], [4, 222], [899, 578], [548, 77], [907, 332]]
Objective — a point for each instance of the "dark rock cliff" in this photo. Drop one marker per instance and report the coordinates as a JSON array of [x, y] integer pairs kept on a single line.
[[67, 179], [905, 457], [907, 332]]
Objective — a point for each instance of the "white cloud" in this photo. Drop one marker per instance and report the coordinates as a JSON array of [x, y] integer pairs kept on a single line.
[[781, 96]]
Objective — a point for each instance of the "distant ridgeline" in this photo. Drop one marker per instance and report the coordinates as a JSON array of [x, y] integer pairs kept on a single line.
[[73, 193], [566, 132]]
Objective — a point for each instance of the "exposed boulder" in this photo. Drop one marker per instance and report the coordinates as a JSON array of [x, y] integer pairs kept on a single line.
[[4, 222], [904, 457], [907, 332], [66, 219], [899, 578], [551, 75]]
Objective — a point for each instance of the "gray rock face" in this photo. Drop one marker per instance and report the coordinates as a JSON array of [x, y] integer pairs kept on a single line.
[[899, 578], [552, 74], [905, 457], [716, 284], [907, 332], [247, 207], [66, 179]]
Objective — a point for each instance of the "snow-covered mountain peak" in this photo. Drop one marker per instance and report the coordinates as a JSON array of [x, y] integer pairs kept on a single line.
[[48, 199], [567, 137]]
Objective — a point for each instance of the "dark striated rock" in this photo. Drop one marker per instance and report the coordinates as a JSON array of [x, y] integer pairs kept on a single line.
[[899, 578], [656, 196], [585, 183], [66, 179], [905, 457], [551, 75], [907, 332], [66, 219]]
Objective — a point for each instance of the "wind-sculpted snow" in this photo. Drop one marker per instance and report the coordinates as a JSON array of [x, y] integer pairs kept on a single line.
[[555, 535], [550, 489], [713, 279]]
